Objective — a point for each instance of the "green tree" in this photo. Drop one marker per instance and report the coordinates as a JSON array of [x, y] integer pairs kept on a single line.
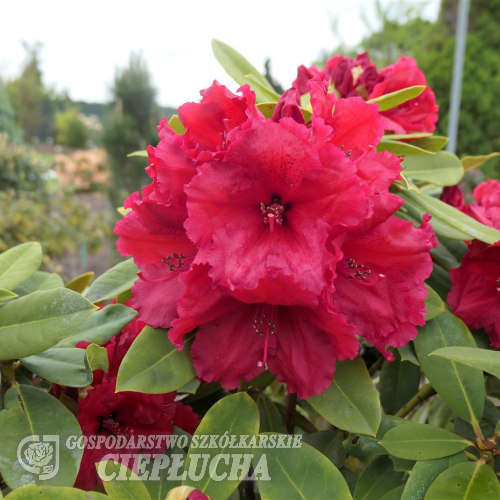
[[8, 117], [70, 129]]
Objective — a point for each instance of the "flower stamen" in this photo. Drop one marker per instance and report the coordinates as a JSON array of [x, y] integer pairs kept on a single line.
[[273, 214]]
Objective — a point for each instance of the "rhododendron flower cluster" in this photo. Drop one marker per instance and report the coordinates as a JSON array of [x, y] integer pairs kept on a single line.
[[125, 415], [276, 238], [475, 291], [360, 77]]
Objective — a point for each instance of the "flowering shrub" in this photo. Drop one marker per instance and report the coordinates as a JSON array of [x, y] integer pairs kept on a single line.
[[304, 274]]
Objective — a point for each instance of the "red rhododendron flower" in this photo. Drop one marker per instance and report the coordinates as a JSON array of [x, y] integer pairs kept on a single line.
[[487, 207], [454, 196], [254, 248]]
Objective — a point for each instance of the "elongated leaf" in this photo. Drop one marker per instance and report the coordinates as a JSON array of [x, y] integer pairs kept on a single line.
[[351, 402], [460, 386], [5, 295], [399, 382], [488, 423], [18, 263], [394, 494], [407, 353], [113, 282], [270, 95], [235, 415], [433, 304], [101, 326], [477, 161], [389, 101], [402, 149], [433, 143], [330, 444], [466, 481], [154, 365], [270, 417], [33, 492], [291, 471], [237, 67], [80, 283], [422, 442], [413, 135], [39, 281], [132, 488], [39, 321], [425, 472], [453, 217], [30, 415], [177, 125], [377, 479], [481, 359], [442, 168], [140, 154]]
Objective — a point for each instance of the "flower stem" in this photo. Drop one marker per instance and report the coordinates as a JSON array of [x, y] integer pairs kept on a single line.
[[425, 393], [291, 402]]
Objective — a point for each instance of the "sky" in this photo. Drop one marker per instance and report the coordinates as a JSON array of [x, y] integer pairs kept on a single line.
[[85, 41]]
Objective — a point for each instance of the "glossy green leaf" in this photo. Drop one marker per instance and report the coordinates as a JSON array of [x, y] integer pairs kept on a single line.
[[237, 67], [442, 168], [351, 402], [270, 95], [377, 479], [433, 304], [481, 359], [402, 149], [6, 295], [81, 282], [113, 282], [39, 281], [270, 417], [460, 386], [407, 353], [32, 413], [111, 473], [96, 358], [329, 443], [422, 442], [465, 481], [18, 263], [300, 473], [101, 326], [267, 109], [39, 321], [389, 101], [453, 217], [177, 125], [394, 494], [33, 492], [154, 365], [140, 154], [425, 472], [399, 382], [433, 143], [477, 161], [235, 415]]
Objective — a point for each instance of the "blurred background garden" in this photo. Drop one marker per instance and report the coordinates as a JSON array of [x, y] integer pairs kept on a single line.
[[64, 168]]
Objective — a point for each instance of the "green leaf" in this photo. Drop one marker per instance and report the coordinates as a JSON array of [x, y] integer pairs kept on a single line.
[[402, 149], [300, 473], [433, 143], [113, 282], [235, 415], [177, 125], [267, 109], [433, 304], [6, 295], [154, 365], [452, 217], [442, 168], [413, 135], [270, 417], [81, 282], [481, 359], [237, 67], [488, 423], [351, 402], [131, 488], [422, 442], [425, 472], [31, 412], [399, 382], [97, 358], [460, 386], [190, 388], [394, 494], [389, 101], [407, 353], [33, 492], [18, 263], [39, 321], [377, 479], [158, 482], [140, 154], [39, 281], [469, 162], [329, 443], [465, 481], [101, 326], [270, 95]]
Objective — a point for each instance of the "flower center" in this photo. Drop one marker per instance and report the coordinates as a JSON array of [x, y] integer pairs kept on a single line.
[[273, 213], [109, 425], [265, 325], [359, 272]]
